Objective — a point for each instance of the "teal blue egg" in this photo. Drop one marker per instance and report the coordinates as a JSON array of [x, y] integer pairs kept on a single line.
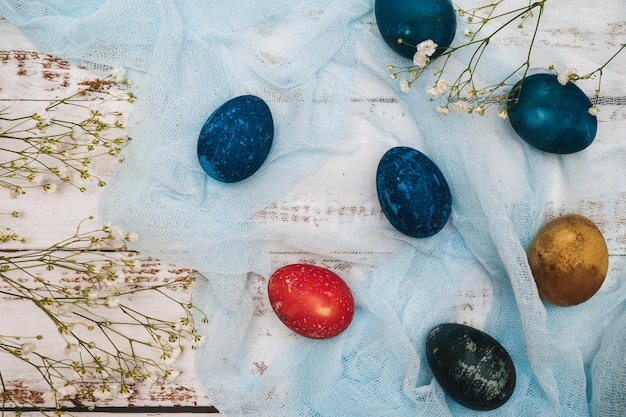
[[236, 139], [415, 21], [412, 191], [551, 117]]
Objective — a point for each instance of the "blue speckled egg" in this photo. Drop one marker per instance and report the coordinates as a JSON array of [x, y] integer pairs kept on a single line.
[[412, 191], [236, 139], [472, 367], [550, 116], [415, 21]]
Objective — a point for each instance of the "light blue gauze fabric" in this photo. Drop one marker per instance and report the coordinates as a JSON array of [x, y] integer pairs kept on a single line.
[[320, 66]]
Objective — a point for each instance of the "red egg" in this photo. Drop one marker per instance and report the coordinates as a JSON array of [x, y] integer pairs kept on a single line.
[[310, 300]]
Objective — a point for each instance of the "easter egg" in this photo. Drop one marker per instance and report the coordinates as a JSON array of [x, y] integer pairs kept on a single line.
[[236, 139], [551, 117], [472, 367], [415, 21], [413, 193], [310, 300], [569, 260]]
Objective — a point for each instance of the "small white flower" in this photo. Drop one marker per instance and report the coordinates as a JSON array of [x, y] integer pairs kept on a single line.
[[97, 109], [112, 301], [199, 340], [125, 392], [103, 393], [460, 106], [427, 47], [503, 114], [118, 74], [36, 179], [405, 86], [42, 117], [170, 356], [68, 390], [567, 76], [170, 373], [593, 111], [444, 111], [64, 174], [132, 237], [49, 188], [420, 59], [432, 91], [479, 109], [27, 348], [468, 32], [71, 349], [122, 120], [562, 79], [442, 86], [117, 233]]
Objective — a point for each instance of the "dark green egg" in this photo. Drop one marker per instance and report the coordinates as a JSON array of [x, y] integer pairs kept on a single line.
[[472, 367]]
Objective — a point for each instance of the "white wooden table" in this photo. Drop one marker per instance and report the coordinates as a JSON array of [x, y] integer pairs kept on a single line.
[[28, 81]]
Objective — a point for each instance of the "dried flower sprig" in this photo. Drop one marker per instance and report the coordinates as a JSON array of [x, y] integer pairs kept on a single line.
[[105, 358], [41, 150], [463, 94]]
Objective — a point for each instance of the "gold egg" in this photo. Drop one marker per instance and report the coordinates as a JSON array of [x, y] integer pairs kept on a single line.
[[569, 260]]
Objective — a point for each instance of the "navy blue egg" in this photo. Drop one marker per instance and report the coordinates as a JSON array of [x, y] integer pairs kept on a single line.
[[236, 139], [472, 367], [415, 21], [551, 117], [412, 191]]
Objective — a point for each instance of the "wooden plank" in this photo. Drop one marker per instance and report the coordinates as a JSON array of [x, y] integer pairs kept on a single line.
[[99, 327]]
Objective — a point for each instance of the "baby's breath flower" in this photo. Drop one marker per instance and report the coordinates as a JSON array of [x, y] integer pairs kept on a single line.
[[460, 106], [480, 109], [103, 393], [427, 47], [67, 390], [118, 74], [97, 109], [117, 233], [442, 110], [442, 86], [432, 91], [112, 301], [27, 348], [199, 340], [503, 114], [405, 86], [49, 188], [35, 179], [132, 237], [567, 76], [420, 59], [71, 349], [42, 116], [593, 111], [125, 392], [170, 373]]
